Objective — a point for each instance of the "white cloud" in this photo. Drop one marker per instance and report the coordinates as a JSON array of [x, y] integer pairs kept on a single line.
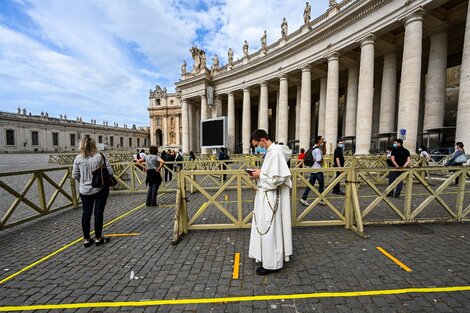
[[98, 59]]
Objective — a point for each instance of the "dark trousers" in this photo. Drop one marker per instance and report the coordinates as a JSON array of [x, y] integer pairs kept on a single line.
[[314, 177], [97, 202], [168, 175], [336, 187], [152, 194], [391, 178]]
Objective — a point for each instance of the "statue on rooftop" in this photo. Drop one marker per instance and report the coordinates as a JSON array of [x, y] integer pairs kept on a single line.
[[19, 110], [245, 49], [264, 45], [183, 68], [230, 56], [215, 62], [333, 3], [284, 28], [199, 57], [24, 111], [307, 12]]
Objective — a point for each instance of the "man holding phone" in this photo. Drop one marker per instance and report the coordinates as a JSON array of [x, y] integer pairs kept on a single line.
[[271, 227]]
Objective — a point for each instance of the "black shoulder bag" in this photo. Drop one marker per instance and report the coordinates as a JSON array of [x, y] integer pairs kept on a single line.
[[101, 177]]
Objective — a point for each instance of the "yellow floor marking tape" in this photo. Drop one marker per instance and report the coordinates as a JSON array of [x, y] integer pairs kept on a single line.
[[338, 294], [226, 197], [391, 257], [122, 235], [236, 265], [47, 257]]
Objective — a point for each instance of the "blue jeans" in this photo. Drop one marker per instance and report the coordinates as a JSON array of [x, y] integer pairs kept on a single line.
[[152, 194], [97, 202], [391, 178], [313, 177]]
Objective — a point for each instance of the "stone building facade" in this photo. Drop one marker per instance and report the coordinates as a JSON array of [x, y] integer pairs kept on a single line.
[[367, 70], [165, 118], [22, 132]]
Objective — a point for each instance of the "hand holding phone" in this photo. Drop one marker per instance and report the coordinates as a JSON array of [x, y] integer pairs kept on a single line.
[[250, 171]]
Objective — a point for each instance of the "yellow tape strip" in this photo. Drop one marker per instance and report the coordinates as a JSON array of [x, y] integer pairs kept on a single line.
[[391, 257], [122, 235], [47, 257], [236, 299], [236, 265]]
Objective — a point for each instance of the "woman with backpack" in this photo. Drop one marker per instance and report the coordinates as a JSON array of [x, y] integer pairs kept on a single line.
[[154, 164]]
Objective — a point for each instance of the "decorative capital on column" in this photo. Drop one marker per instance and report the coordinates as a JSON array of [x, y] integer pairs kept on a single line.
[[306, 68], [246, 89], [444, 27], [334, 56], [264, 83], [368, 40], [417, 15], [283, 77]]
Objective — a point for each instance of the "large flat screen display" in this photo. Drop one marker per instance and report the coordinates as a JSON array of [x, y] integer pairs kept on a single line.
[[214, 133]]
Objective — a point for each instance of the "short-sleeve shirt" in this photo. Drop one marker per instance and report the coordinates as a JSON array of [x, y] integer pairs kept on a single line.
[[338, 155], [301, 156], [318, 156], [401, 155], [152, 161]]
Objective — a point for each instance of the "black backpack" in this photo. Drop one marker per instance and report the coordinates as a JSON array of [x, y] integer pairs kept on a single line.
[[309, 160]]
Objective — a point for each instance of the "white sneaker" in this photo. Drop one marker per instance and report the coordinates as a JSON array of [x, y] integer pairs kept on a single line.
[[304, 202]]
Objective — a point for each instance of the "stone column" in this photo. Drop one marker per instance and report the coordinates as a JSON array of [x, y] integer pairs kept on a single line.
[[305, 108], [408, 110], [351, 101], [435, 97], [231, 121], [283, 109], [388, 94], [322, 107], [277, 116], [203, 117], [463, 111], [246, 128], [332, 92], [365, 97], [217, 108], [185, 126], [263, 118], [297, 113]]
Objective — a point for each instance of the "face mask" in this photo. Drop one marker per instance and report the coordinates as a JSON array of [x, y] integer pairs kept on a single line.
[[420, 149], [395, 145], [341, 145]]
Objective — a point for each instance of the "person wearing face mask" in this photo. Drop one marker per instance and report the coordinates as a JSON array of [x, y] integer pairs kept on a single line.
[[400, 158], [318, 162], [338, 161], [271, 230]]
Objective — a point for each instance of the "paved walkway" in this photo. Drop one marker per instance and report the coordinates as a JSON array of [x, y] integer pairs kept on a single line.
[[327, 261]]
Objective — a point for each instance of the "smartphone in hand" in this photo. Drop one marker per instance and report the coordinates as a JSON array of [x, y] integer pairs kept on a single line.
[[250, 171]]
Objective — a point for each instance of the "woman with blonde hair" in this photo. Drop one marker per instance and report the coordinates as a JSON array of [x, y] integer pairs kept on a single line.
[[93, 199]]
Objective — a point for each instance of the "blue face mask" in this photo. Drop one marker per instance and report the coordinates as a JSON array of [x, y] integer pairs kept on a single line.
[[395, 145], [341, 145]]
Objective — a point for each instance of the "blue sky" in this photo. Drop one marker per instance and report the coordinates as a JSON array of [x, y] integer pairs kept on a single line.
[[99, 58]]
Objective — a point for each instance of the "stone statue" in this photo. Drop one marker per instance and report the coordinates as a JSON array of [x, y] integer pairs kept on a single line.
[[203, 60], [42, 113], [164, 92], [245, 49], [81, 119], [199, 57], [284, 28], [47, 115], [230, 56], [333, 3], [264, 45], [215, 62], [61, 117], [24, 111], [183, 68], [307, 11], [65, 116], [78, 119], [19, 110]]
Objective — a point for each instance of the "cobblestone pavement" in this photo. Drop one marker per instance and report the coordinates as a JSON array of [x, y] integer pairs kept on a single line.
[[329, 259]]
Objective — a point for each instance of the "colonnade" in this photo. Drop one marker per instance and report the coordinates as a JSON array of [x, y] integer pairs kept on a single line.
[[358, 119]]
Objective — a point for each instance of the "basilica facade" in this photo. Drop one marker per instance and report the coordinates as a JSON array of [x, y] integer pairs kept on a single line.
[[365, 70]]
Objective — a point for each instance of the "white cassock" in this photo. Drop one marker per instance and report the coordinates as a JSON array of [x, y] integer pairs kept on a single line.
[[272, 247]]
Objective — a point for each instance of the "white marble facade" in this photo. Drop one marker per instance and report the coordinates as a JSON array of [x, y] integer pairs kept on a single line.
[[387, 60]]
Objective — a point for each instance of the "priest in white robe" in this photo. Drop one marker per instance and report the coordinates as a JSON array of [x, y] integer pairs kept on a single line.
[[271, 227]]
